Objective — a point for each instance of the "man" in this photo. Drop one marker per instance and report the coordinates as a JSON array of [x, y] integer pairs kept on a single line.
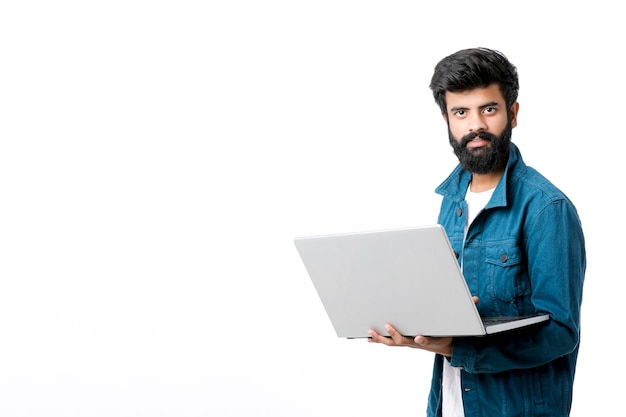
[[520, 243]]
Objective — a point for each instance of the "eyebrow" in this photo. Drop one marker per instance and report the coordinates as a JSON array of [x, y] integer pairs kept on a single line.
[[482, 106]]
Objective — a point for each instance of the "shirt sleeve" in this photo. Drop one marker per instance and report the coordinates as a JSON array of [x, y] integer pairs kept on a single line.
[[555, 249]]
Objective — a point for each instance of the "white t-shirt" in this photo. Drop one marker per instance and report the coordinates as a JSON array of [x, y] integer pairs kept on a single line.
[[452, 397]]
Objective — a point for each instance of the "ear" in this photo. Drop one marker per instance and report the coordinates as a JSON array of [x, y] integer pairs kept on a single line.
[[514, 111]]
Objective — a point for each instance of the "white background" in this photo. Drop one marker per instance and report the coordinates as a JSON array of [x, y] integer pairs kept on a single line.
[[158, 158]]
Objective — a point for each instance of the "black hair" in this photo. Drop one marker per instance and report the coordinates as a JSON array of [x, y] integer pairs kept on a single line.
[[474, 68]]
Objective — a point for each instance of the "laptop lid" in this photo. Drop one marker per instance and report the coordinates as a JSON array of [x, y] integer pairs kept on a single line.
[[407, 277]]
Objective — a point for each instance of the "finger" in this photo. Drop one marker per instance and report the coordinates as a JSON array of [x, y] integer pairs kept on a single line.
[[421, 340], [372, 336], [441, 345], [378, 338], [397, 337]]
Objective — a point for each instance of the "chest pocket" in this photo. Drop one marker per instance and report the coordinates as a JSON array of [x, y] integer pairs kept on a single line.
[[504, 263]]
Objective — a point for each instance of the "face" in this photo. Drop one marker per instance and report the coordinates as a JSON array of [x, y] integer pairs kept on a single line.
[[479, 128]]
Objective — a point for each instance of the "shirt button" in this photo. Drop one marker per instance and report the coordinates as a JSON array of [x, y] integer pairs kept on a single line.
[[504, 258], [459, 212]]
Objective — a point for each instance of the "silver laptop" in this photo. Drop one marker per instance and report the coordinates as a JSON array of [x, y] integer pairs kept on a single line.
[[408, 277]]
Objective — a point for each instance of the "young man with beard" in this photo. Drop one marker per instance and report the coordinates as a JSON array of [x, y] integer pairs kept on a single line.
[[521, 247]]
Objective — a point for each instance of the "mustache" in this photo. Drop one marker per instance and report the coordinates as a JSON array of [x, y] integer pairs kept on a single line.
[[482, 135]]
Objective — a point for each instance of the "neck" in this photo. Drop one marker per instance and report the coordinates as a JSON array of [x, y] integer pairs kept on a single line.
[[484, 182]]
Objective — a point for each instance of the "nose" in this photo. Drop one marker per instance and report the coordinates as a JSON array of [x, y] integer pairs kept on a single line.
[[476, 122]]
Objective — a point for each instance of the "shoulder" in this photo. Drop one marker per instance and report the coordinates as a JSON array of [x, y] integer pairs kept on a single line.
[[528, 181], [533, 181]]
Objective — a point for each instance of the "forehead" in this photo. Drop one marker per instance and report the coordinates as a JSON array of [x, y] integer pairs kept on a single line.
[[476, 97]]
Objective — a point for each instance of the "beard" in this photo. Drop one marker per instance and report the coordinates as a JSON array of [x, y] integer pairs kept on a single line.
[[484, 159]]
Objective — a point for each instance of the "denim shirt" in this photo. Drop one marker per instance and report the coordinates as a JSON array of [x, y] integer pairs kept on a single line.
[[524, 254]]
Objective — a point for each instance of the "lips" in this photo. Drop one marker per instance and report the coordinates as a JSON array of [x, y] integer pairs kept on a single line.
[[477, 142]]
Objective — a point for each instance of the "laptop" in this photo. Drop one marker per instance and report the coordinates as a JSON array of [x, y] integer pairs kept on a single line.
[[408, 277]]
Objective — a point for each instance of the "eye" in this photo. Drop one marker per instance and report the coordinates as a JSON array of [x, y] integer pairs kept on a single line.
[[489, 110], [460, 113]]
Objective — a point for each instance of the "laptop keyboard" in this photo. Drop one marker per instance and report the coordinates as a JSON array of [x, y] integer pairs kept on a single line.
[[488, 321]]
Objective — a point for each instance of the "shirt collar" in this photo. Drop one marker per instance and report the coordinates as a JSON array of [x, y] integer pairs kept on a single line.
[[455, 186]]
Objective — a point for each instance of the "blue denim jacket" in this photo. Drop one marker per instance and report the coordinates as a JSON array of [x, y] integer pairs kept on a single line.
[[524, 254]]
